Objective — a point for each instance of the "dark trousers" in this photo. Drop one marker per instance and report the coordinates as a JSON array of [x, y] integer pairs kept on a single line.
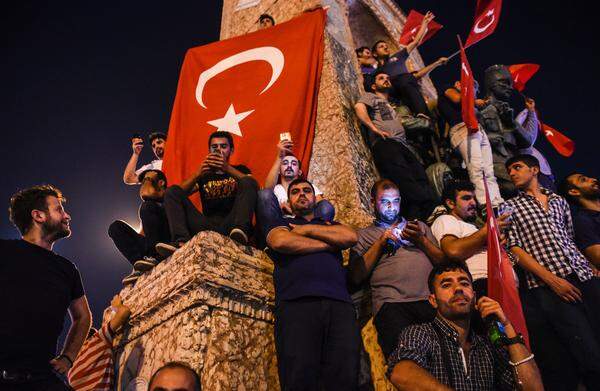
[[134, 246], [48, 382], [392, 318], [406, 87], [318, 344], [186, 221], [565, 337], [398, 164]]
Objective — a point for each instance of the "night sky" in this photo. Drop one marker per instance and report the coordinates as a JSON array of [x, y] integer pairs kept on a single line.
[[78, 79]]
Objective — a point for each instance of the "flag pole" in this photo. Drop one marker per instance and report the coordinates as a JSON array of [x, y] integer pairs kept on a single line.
[[458, 51]]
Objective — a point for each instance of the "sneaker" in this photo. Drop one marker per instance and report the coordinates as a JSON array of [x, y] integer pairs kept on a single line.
[[132, 277], [239, 236], [165, 249], [145, 264]]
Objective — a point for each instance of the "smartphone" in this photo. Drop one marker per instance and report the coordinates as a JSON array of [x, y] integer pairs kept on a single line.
[[285, 136]]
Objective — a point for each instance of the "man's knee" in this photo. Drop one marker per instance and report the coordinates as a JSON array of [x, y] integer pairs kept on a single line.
[[325, 210], [116, 228], [248, 182], [265, 196], [174, 192]]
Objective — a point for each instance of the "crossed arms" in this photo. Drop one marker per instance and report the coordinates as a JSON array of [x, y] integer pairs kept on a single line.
[[311, 238]]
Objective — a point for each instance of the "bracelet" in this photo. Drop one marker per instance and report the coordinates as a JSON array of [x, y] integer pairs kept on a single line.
[[515, 364], [62, 355]]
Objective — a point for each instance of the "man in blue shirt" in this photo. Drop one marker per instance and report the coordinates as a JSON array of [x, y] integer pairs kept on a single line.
[[316, 333]]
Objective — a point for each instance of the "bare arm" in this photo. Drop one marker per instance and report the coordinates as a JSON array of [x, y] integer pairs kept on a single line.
[[462, 248], [129, 176], [338, 236], [284, 147], [81, 320], [288, 242], [189, 184], [407, 375], [363, 116], [426, 70], [592, 253], [421, 33], [121, 315], [453, 95]]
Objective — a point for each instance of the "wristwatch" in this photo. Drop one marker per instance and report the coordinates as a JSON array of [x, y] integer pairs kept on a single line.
[[511, 341]]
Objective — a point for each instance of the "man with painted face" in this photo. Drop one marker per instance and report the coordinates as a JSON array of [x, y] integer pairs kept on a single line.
[[396, 255], [584, 192], [316, 332], [227, 193], [561, 295], [393, 159], [459, 238], [446, 354]]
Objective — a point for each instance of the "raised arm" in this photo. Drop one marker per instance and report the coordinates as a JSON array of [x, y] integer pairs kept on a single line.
[[129, 176], [426, 70], [421, 33], [81, 320], [282, 240], [337, 235], [284, 147]]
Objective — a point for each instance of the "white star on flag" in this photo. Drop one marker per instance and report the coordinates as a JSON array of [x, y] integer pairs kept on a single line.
[[231, 121]]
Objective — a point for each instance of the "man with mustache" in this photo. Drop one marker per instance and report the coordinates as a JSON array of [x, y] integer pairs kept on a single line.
[[393, 158], [561, 295], [584, 192], [396, 255], [157, 141], [316, 332], [459, 238], [38, 287], [446, 354]]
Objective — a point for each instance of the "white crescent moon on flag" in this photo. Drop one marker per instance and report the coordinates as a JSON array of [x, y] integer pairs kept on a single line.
[[270, 54], [477, 29]]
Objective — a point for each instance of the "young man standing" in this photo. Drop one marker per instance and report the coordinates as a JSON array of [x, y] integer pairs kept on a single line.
[[38, 288], [397, 256], [316, 333], [561, 296], [227, 193], [446, 354], [459, 238], [387, 140], [585, 193]]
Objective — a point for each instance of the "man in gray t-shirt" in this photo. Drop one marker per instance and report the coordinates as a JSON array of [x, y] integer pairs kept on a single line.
[[384, 117], [397, 256]]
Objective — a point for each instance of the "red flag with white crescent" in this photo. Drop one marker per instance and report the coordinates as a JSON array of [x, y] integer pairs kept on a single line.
[[501, 279], [255, 86], [563, 145], [487, 16], [467, 92], [412, 25], [521, 73]]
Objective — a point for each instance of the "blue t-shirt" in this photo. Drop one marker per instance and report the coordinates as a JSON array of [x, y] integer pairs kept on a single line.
[[587, 228], [319, 274], [396, 64]]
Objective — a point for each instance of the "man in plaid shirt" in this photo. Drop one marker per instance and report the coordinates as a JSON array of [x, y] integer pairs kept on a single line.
[[447, 354], [561, 296]]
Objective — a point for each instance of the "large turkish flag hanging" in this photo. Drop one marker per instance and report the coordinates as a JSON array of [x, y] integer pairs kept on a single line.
[[255, 86], [487, 16]]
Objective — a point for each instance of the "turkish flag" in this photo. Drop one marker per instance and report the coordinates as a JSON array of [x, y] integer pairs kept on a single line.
[[412, 25], [487, 16], [521, 73], [255, 86], [564, 145], [501, 278], [467, 92]]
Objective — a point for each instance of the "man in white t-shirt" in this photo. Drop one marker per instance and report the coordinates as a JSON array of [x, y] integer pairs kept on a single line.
[[157, 141], [459, 238]]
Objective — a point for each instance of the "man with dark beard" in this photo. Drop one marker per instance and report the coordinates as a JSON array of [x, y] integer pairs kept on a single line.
[[316, 333], [446, 354], [38, 287], [585, 193], [393, 158], [397, 256], [459, 238]]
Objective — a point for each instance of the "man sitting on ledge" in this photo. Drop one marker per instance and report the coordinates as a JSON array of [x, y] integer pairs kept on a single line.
[[227, 193], [316, 333]]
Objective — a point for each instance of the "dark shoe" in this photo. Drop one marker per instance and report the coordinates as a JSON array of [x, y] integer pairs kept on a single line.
[[239, 236], [145, 264], [132, 277], [166, 249]]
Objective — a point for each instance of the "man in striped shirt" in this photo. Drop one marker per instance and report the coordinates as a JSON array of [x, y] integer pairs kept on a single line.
[[93, 367]]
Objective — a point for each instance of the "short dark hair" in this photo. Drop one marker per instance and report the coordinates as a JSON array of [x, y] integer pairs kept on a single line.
[[565, 185], [453, 187], [375, 46], [297, 181], [528, 160], [159, 174], [360, 50], [444, 267], [154, 135], [221, 134], [23, 202], [384, 184], [177, 365], [266, 16]]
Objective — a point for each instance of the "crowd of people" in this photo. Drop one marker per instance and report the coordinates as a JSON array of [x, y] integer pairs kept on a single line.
[[428, 282]]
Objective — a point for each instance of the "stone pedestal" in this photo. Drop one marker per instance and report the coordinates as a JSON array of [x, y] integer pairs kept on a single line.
[[209, 305]]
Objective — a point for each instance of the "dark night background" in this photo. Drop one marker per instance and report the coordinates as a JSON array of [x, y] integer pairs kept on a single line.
[[78, 79]]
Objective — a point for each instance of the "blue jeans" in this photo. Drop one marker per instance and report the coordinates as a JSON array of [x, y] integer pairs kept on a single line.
[[268, 213]]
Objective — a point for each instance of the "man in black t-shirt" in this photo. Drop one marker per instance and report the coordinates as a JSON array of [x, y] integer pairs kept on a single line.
[[38, 287], [227, 193]]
